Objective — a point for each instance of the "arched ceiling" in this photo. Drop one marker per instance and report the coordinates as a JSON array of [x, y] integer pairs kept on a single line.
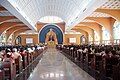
[[109, 10], [8, 21], [71, 11], [5, 13], [13, 20]]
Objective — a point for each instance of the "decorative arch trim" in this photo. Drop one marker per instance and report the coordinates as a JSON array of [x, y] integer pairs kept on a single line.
[[45, 30]]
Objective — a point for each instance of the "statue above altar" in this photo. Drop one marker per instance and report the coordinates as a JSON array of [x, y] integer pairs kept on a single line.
[[51, 38]]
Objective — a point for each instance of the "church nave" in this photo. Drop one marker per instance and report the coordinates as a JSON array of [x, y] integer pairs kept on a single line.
[[55, 66]]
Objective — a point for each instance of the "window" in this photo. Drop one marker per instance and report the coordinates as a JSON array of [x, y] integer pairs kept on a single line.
[[90, 38], [106, 35], [72, 40], [50, 19], [3, 37], [97, 38], [29, 40], [116, 30]]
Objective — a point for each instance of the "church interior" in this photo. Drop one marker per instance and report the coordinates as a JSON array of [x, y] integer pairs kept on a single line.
[[59, 39]]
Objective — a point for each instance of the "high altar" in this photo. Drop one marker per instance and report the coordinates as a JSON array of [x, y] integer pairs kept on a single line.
[[51, 38]]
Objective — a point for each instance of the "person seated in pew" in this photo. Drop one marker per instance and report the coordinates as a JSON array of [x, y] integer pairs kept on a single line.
[[33, 48], [105, 53], [18, 60], [115, 58], [108, 63], [80, 50], [91, 50], [16, 54], [85, 50], [38, 47], [1, 55], [22, 51], [30, 50], [8, 56]]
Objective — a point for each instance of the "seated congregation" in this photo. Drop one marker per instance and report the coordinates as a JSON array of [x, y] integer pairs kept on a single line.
[[14, 61], [100, 61]]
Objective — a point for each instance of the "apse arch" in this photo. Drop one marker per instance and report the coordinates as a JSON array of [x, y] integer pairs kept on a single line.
[[45, 29]]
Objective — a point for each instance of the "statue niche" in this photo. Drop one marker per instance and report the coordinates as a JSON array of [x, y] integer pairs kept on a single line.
[[51, 38]]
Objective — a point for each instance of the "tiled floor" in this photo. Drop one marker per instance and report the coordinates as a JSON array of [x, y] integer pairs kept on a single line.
[[55, 66]]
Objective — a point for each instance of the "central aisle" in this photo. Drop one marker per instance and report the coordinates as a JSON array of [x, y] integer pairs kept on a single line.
[[55, 66]]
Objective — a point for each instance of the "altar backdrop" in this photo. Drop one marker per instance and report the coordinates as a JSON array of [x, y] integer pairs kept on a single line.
[[46, 29]]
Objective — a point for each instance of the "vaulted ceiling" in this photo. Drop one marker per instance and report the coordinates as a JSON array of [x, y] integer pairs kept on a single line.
[[111, 5], [8, 22], [71, 11]]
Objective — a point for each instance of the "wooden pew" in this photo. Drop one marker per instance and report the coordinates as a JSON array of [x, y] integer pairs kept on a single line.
[[2, 73], [9, 69]]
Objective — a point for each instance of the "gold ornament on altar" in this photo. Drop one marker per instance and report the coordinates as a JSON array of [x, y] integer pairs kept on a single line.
[[51, 38]]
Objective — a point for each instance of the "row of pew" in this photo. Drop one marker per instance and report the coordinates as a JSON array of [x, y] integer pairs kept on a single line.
[[15, 59], [100, 61]]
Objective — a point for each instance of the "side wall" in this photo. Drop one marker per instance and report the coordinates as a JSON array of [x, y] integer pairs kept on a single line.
[[67, 36], [24, 36]]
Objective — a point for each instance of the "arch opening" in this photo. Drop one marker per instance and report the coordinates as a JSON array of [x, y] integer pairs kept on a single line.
[[46, 29], [50, 19]]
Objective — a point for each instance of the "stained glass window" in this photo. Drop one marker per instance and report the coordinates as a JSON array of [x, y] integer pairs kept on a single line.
[[97, 38], [105, 35], [90, 38], [3, 38], [116, 30]]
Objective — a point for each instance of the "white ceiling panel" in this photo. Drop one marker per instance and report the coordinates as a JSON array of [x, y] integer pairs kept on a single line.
[[111, 4], [71, 11]]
